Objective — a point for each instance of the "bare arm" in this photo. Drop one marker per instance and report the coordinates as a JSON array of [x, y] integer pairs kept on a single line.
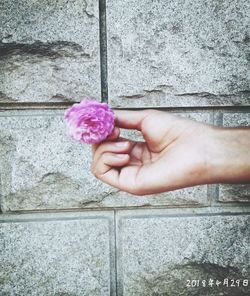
[[230, 155]]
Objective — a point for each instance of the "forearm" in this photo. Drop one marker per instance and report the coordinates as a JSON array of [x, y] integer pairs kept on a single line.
[[229, 160]]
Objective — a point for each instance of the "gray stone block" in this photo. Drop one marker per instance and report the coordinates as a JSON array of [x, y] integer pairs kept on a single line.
[[234, 193], [52, 256], [234, 119], [178, 53], [238, 192], [41, 168], [162, 254], [49, 50]]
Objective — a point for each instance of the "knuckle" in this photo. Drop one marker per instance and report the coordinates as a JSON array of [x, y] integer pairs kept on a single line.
[[95, 173], [105, 157]]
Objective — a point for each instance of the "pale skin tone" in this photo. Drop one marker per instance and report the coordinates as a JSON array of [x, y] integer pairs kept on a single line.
[[176, 153]]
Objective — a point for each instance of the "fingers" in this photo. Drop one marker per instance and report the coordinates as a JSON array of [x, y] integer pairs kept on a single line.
[[131, 119], [107, 161], [113, 136], [104, 168], [122, 146]]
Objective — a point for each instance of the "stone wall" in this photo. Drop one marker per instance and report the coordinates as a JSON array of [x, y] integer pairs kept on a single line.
[[63, 232]]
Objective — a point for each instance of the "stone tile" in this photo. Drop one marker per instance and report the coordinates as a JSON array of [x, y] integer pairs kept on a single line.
[[189, 196], [199, 115], [178, 53], [158, 253], [238, 192], [234, 193], [41, 168], [232, 119], [49, 50], [57, 257]]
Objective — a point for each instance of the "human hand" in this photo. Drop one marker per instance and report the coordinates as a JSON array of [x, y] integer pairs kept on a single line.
[[173, 156]]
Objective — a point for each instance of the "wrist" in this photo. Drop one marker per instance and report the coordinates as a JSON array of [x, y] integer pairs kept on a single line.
[[229, 155]]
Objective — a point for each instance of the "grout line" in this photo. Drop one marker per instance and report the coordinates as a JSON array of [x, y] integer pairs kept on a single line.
[[112, 255], [210, 192], [211, 187], [230, 209], [19, 219], [217, 193], [64, 105], [100, 209], [184, 215], [213, 108], [124, 208], [214, 193], [119, 256], [115, 255], [35, 105], [103, 50], [218, 121]]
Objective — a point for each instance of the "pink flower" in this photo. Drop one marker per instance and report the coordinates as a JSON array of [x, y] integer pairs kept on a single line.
[[89, 121]]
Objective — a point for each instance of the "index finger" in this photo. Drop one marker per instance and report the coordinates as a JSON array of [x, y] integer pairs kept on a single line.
[[130, 119]]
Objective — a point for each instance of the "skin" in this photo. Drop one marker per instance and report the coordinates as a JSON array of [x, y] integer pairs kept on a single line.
[[176, 153]]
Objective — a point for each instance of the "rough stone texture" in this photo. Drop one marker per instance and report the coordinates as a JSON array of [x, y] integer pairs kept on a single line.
[[178, 53], [157, 254], [234, 193], [41, 168], [236, 118], [72, 257], [49, 50], [241, 192]]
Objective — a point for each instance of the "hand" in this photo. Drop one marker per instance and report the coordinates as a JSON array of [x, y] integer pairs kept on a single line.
[[177, 153], [174, 154]]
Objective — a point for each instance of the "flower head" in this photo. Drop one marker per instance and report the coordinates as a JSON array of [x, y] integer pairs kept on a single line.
[[89, 121]]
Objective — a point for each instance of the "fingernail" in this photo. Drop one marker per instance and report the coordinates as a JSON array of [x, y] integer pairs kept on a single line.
[[121, 144]]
